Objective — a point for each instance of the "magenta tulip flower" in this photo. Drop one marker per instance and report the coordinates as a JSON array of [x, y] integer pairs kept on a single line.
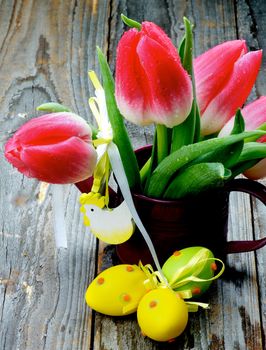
[[224, 77], [255, 116], [55, 148], [151, 84]]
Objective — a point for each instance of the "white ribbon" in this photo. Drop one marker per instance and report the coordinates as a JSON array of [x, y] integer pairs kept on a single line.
[[99, 110], [121, 178], [59, 216]]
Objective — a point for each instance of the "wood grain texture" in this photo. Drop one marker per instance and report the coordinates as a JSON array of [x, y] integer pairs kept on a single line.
[[260, 229], [46, 49], [251, 26]]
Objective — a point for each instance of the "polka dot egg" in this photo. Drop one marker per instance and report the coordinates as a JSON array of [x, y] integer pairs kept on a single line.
[[162, 314], [117, 290], [204, 268]]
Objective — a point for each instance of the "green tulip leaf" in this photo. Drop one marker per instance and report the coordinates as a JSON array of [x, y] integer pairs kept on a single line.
[[120, 135], [185, 133], [189, 131], [239, 123], [130, 22], [251, 154], [53, 107], [261, 127], [181, 48], [197, 122], [196, 179], [253, 150], [188, 47], [227, 155], [170, 165]]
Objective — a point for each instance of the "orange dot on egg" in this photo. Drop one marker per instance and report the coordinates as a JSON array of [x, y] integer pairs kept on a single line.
[[196, 290], [126, 297], [100, 280], [178, 295], [129, 268], [176, 253], [153, 303], [213, 267]]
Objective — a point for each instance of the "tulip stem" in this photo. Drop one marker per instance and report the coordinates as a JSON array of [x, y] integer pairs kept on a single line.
[[162, 142], [144, 170]]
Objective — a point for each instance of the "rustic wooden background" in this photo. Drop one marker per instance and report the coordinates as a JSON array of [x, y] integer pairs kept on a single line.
[[46, 49]]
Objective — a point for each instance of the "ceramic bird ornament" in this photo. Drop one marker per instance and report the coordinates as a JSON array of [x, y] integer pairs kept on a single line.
[[113, 226]]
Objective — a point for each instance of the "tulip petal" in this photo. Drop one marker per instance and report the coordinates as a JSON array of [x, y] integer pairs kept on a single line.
[[258, 171], [213, 68], [234, 93], [52, 128], [130, 96], [157, 34], [66, 162], [169, 86], [254, 116]]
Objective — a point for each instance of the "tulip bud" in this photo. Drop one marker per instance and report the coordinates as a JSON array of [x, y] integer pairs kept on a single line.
[[55, 148], [224, 77], [254, 116], [151, 84]]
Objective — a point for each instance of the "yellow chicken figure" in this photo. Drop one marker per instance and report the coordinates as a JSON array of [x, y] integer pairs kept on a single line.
[[113, 226]]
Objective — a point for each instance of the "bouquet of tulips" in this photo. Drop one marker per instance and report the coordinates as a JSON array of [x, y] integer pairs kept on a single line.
[[202, 140], [202, 137]]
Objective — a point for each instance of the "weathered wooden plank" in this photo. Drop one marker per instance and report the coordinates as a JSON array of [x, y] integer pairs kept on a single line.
[[244, 314], [46, 49], [251, 24], [260, 232], [251, 20]]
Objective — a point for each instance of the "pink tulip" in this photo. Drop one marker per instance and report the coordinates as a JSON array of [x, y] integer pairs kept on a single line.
[[151, 84], [55, 148], [224, 77], [258, 171], [254, 115]]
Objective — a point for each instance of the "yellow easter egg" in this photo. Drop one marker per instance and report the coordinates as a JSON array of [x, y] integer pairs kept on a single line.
[[117, 290], [162, 314]]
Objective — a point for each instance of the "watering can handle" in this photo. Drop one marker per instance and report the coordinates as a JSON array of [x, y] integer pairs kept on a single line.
[[257, 190]]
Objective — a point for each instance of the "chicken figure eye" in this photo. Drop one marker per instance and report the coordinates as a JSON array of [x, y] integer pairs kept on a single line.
[[92, 209]]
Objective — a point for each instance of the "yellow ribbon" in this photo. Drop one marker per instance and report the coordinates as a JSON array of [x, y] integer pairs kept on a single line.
[[193, 306], [195, 265], [104, 137], [155, 280]]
